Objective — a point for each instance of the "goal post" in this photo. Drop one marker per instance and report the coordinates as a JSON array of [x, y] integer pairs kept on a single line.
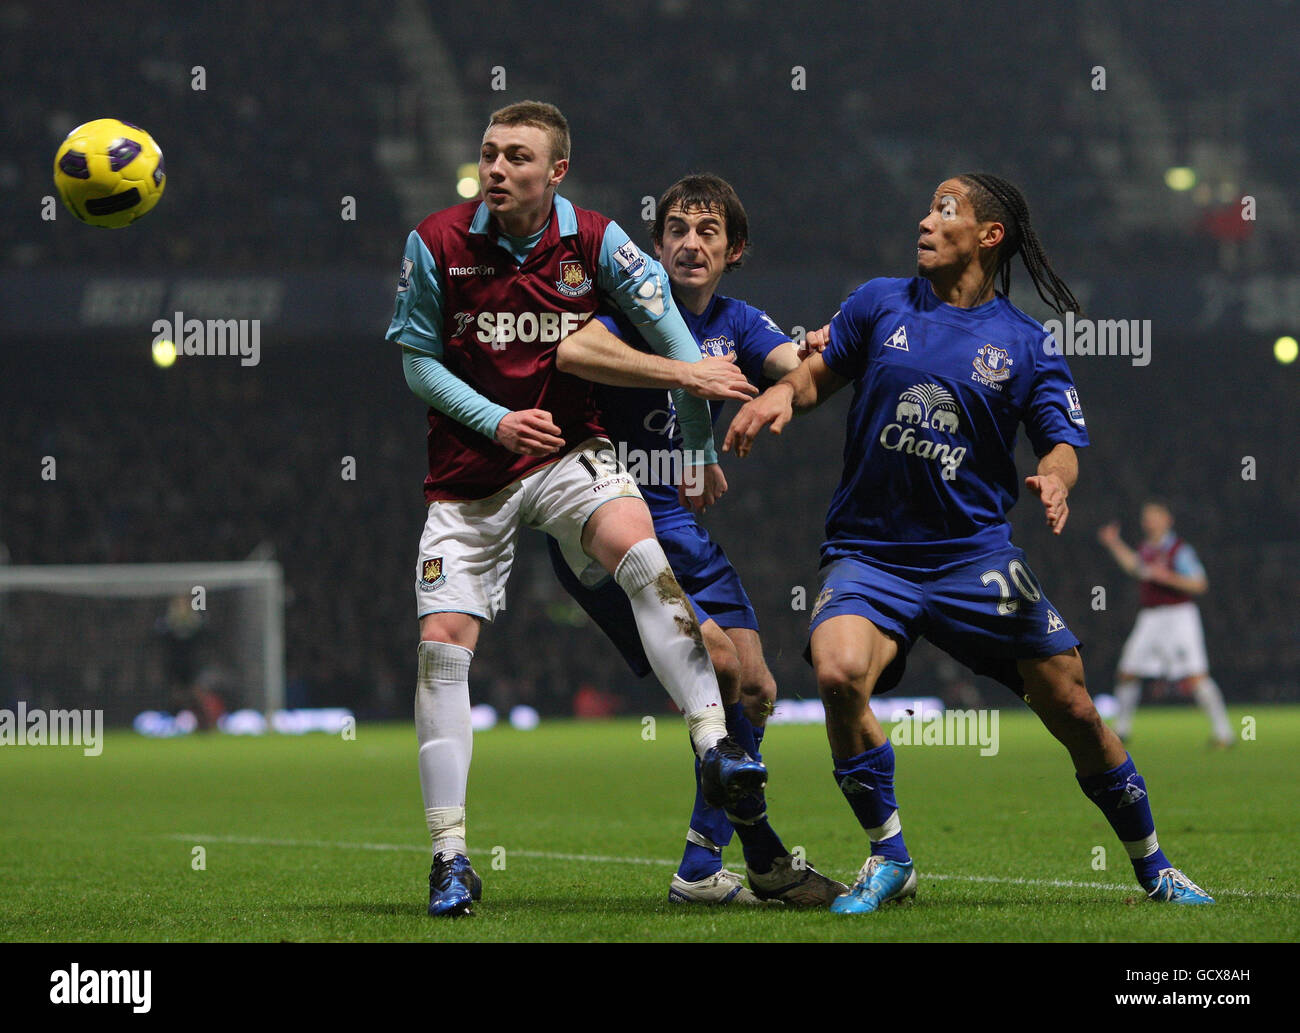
[[121, 637]]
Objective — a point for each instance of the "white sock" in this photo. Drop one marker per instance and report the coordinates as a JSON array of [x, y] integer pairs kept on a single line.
[[670, 635], [1127, 695], [1210, 698], [446, 740]]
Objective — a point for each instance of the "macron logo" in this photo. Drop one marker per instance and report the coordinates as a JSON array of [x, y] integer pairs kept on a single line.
[[472, 270], [93, 986]]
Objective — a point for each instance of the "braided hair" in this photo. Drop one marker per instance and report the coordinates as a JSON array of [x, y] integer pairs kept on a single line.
[[998, 200]]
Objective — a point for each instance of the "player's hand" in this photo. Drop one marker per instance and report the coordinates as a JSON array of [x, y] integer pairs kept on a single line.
[[815, 341], [1108, 534], [530, 432], [770, 409], [708, 485], [717, 379], [1051, 489]]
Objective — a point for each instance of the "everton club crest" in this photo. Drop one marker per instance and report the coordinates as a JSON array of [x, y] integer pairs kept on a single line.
[[718, 347], [992, 364]]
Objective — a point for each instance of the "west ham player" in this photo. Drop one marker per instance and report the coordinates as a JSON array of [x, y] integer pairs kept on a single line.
[[1167, 641], [700, 232], [944, 369], [487, 291]]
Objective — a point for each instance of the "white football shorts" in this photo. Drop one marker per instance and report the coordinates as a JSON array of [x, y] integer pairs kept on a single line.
[[467, 548], [1166, 642]]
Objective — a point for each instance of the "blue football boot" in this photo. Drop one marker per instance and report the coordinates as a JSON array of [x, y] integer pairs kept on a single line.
[[453, 885], [728, 774], [880, 881], [1171, 886]]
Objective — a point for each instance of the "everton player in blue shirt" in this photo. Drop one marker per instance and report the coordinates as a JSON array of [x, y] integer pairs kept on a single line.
[[700, 232], [944, 369]]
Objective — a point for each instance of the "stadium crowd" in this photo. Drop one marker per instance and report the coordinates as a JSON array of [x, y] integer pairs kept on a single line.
[[307, 109]]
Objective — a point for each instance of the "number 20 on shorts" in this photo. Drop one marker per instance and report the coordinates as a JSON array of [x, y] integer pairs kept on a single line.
[[1024, 580]]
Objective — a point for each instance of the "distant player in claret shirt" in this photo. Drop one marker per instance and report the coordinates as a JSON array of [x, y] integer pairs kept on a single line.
[[700, 232], [486, 293], [1167, 641], [944, 370]]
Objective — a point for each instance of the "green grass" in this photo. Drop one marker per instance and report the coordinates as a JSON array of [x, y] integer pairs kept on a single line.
[[316, 838]]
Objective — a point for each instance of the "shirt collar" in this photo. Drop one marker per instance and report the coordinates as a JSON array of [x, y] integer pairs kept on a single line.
[[704, 316], [567, 218]]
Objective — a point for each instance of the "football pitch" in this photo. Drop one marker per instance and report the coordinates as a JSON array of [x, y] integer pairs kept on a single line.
[[576, 828]]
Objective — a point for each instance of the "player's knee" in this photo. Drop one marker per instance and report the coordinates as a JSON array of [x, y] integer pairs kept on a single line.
[[758, 687], [615, 529], [1072, 712], [1081, 713], [457, 629], [841, 682]]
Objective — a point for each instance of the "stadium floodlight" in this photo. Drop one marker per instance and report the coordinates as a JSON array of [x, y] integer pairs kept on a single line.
[[124, 638], [467, 180]]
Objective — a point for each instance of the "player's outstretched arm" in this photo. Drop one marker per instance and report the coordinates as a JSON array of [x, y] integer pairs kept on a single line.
[[802, 389], [595, 354], [782, 359], [1128, 560], [1058, 471]]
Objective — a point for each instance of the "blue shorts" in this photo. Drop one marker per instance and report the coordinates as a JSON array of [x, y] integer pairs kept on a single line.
[[702, 569], [986, 613]]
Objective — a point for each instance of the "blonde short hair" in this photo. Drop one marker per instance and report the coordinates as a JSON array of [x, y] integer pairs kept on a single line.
[[540, 114]]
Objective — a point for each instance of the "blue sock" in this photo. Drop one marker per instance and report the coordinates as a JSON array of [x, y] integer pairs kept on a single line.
[[761, 844], [867, 782], [1122, 796], [759, 732], [710, 824]]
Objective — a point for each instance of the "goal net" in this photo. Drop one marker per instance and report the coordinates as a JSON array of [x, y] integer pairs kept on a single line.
[[153, 636]]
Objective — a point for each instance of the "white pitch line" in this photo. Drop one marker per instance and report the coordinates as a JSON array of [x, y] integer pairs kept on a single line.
[[256, 841], [546, 855], [1030, 882]]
